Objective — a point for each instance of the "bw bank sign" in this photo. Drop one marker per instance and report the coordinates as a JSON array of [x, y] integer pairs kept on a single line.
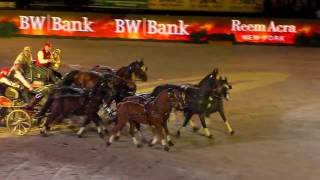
[[143, 26], [55, 24]]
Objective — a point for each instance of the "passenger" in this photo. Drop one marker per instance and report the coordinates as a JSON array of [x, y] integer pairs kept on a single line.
[[5, 81], [21, 67]]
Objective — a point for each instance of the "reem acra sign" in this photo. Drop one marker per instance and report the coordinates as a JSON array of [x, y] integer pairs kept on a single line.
[[238, 26], [55, 24]]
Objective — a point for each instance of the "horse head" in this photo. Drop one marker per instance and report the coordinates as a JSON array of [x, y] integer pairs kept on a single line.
[[210, 80], [138, 70], [224, 88]]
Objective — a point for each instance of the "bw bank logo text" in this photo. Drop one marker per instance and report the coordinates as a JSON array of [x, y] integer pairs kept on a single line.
[[150, 27], [55, 24]]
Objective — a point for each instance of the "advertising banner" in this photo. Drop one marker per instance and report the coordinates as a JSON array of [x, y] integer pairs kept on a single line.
[[168, 28], [208, 5]]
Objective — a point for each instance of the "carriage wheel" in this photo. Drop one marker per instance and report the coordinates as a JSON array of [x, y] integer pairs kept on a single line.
[[19, 122]]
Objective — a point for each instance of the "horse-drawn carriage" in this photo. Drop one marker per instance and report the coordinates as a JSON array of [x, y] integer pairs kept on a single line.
[[13, 113]]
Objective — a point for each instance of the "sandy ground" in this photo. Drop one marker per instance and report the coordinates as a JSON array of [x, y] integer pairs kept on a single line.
[[274, 111]]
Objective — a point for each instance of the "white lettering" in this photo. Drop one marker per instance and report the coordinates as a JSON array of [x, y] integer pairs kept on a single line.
[[133, 25], [236, 25], [24, 22], [183, 28], [120, 25], [56, 24], [37, 22], [87, 25], [152, 27]]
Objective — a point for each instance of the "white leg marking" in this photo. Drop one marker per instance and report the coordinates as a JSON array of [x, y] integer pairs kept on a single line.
[[191, 124], [135, 141], [228, 126], [163, 142], [207, 132], [81, 130], [111, 139], [99, 129], [155, 139], [118, 134]]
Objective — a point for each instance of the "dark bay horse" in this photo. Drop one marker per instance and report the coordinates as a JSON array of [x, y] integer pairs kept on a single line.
[[134, 71], [202, 99], [67, 101], [204, 103], [152, 113]]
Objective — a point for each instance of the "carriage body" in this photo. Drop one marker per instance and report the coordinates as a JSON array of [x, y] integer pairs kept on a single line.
[[14, 116]]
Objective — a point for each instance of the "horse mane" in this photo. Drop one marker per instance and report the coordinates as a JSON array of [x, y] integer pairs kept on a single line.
[[205, 79]]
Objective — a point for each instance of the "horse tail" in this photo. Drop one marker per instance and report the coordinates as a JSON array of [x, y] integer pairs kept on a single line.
[[68, 79]]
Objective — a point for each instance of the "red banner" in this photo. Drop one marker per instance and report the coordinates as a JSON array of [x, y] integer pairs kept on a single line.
[[196, 29]]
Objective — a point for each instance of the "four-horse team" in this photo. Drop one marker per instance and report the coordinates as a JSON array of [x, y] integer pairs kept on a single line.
[[85, 93]]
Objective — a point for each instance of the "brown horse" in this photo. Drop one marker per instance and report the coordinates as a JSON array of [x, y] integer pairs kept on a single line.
[[155, 113], [67, 101], [135, 70]]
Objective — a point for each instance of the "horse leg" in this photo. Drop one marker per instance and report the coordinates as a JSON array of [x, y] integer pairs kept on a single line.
[[226, 122], [204, 125], [193, 126], [159, 130], [167, 134], [134, 139], [138, 127], [46, 127], [97, 121], [83, 127], [155, 138], [122, 119], [187, 116]]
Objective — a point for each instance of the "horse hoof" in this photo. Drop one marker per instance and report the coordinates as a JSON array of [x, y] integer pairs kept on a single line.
[[178, 134], [116, 138], [101, 135], [232, 133], [210, 136], [79, 135], [166, 148], [195, 129], [108, 144], [43, 134], [144, 141], [139, 145], [150, 145], [170, 143]]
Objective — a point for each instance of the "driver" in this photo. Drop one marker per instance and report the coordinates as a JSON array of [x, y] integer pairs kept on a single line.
[[21, 66], [44, 59], [5, 82]]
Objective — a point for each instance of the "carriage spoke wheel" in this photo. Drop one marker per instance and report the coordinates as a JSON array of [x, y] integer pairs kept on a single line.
[[19, 122]]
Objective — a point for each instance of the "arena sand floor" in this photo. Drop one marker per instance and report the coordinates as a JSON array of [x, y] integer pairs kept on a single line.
[[274, 110]]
